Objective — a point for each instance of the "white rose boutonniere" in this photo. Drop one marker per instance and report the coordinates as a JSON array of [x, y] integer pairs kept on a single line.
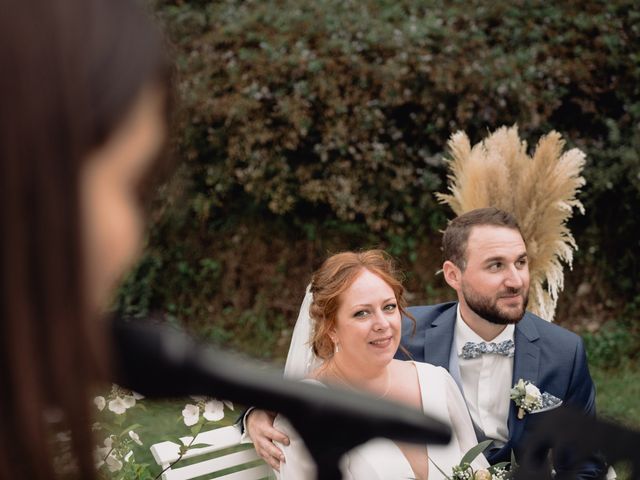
[[526, 396]]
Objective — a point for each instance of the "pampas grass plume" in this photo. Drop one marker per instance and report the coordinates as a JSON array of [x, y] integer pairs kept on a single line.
[[539, 190]]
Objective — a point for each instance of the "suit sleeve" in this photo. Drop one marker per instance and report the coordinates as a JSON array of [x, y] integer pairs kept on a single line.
[[581, 395]]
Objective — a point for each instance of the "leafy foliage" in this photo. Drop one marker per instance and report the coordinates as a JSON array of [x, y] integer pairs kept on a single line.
[[315, 126]]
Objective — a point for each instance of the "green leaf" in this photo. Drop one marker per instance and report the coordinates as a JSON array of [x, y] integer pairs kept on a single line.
[[471, 455], [200, 445]]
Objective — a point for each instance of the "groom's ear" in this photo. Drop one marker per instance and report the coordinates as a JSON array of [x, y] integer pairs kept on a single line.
[[452, 274]]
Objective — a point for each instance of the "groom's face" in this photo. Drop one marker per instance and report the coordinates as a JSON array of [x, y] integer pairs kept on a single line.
[[495, 282]]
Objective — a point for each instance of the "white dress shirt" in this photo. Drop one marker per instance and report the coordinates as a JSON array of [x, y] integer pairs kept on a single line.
[[486, 382]]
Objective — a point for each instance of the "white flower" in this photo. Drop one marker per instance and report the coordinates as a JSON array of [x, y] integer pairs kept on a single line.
[[108, 442], [113, 463], [137, 396], [532, 394], [128, 456], [213, 410], [228, 404], [100, 402], [129, 401], [135, 437], [101, 452], [482, 475], [190, 413], [119, 405]]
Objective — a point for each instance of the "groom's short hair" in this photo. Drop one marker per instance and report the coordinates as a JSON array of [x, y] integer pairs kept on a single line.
[[456, 235]]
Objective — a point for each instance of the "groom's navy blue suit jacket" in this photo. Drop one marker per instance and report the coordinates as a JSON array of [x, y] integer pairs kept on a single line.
[[547, 355]]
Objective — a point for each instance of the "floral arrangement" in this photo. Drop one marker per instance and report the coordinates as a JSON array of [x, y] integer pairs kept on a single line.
[[465, 471], [527, 397], [115, 454]]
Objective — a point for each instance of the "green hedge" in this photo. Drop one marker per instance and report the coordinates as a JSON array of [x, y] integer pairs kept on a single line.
[[315, 125]]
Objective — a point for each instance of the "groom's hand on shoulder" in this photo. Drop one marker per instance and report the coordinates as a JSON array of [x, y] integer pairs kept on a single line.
[[262, 433]]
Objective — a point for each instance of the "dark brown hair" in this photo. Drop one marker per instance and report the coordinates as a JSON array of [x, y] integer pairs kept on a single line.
[[456, 235], [71, 71], [333, 278]]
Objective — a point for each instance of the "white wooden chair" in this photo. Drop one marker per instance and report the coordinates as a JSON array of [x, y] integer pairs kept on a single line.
[[244, 462]]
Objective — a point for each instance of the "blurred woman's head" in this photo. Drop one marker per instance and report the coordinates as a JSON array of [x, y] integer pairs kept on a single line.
[[358, 300], [83, 108]]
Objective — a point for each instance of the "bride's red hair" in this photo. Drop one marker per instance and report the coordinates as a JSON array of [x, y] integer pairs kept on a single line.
[[334, 277]]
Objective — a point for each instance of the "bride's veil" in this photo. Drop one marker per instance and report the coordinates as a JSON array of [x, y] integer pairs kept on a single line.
[[301, 360]]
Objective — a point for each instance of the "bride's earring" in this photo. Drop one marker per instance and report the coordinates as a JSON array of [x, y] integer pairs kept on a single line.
[[336, 348]]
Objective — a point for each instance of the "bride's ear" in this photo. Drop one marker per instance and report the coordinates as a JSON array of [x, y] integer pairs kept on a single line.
[[333, 335]]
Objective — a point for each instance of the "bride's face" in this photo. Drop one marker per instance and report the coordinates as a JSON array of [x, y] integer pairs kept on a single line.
[[368, 322]]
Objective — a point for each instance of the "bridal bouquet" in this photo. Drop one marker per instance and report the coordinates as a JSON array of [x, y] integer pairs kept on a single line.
[[464, 470]]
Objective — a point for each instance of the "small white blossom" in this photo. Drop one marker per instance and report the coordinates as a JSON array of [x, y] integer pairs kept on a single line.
[[108, 442], [190, 413], [137, 396], [63, 436], [129, 401], [119, 405], [113, 463], [135, 437], [128, 456], [228, 404], [213, 410], [101, 452], [100, 402]]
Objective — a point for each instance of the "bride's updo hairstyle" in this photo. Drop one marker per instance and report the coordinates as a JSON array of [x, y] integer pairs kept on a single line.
[[333, 278]]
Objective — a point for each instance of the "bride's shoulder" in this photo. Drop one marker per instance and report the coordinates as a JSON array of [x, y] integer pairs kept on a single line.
[[315, 377], [428, 370], [410, 368], [412, 364]]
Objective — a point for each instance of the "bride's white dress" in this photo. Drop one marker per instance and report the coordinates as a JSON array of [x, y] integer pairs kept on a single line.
[[381, 458]]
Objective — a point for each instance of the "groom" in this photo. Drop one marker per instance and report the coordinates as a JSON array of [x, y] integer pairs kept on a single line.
[[488, 341], [486, 264]]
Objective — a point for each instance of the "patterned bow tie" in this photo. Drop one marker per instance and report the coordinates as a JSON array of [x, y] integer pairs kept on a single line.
[[474, 350]]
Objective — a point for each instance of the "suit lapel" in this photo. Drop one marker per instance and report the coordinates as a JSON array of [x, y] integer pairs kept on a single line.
[[525, 365], [439, 337]]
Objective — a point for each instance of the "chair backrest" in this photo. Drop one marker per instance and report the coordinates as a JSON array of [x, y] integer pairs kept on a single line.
[[241, 463]]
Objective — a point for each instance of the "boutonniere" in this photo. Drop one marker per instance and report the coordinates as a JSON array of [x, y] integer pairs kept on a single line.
[[526, 396], [529, 399]]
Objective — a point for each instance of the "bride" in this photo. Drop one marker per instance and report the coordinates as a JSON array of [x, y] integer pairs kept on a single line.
[[347, 335]]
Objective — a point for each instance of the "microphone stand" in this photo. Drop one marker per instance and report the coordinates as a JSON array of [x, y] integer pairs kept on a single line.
[[161, 362]]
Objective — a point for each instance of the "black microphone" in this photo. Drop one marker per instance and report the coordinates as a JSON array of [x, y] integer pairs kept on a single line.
[[157, 361]]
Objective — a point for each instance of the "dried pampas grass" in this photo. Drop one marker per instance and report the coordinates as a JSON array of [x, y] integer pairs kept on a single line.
[[540, 191]]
